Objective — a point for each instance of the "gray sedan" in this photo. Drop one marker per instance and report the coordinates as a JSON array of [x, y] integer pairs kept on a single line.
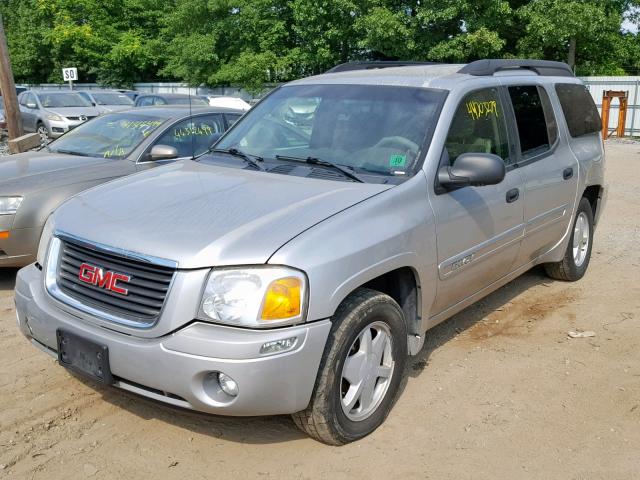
[[33, 184]]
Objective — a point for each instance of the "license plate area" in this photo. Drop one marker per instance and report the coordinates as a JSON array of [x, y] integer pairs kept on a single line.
[[84, 356]]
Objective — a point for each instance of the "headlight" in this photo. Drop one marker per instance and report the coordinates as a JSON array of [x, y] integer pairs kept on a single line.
[[45, 238], [54, 117], [9, 205], [258, 297]]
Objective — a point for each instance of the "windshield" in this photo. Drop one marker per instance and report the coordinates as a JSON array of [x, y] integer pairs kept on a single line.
[[185, 101], [110, 136], [378, 129], [53, 100], [112, 99]]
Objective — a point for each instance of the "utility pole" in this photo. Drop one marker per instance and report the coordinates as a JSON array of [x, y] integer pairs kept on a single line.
[[8, 87]]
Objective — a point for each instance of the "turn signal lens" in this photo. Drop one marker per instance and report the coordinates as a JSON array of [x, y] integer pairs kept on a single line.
[[4, 235], [283, 299]]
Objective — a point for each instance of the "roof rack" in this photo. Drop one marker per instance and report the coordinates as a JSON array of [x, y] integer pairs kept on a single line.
[[544, 68], [351, 66]]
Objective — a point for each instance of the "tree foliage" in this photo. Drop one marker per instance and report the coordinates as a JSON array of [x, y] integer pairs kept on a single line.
[[250, 42]]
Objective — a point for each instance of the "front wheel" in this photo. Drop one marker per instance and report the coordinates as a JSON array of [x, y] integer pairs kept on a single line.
[[41, 130], [360, 372], [578, 254]]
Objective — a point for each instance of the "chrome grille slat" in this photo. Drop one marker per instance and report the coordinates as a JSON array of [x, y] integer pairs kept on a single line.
[[147, 289]]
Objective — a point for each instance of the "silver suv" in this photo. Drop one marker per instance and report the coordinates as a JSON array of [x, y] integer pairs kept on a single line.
[[296, 266]]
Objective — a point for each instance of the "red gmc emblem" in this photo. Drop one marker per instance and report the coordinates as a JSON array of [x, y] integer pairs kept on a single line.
[[108, 280]]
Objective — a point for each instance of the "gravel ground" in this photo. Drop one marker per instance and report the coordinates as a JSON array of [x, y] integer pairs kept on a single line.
[[499, 392]]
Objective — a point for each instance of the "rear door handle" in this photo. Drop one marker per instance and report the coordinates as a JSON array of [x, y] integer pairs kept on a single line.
[[513, 195], [567, 173]]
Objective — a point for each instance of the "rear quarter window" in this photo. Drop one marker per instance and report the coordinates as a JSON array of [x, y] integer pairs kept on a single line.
[[579, 109]]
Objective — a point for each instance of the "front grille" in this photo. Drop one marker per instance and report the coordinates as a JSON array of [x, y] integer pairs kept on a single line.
[[76, 119], [147, 288]]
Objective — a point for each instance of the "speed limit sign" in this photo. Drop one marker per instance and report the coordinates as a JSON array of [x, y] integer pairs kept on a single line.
[[70, 74]]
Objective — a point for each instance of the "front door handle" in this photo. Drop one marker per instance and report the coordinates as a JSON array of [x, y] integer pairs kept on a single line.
[[567, 173], [513, 195]]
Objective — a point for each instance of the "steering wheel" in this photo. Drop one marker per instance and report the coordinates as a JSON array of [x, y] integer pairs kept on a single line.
[[397, 141]]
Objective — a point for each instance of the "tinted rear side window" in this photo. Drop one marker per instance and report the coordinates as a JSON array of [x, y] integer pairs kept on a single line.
[[579, 109], [530, 119]]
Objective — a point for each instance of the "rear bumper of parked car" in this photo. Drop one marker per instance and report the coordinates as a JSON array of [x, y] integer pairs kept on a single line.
[[181, 368]]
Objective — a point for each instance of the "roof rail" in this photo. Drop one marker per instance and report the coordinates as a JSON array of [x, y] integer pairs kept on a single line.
[[541, 67], [366, 65]]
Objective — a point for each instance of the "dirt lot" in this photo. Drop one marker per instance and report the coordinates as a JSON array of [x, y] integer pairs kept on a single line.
[[499, 392]]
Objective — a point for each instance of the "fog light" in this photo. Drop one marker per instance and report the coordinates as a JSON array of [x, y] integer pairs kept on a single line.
[[278, 346], [228, 384]]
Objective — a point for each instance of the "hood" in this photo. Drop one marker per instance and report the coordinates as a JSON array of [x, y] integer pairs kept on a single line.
[[202, 215], [74, 111], [25, 172]]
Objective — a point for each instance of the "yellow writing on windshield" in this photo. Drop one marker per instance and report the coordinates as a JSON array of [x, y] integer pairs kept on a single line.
[[202, 130], [482, 109], [116, 151]]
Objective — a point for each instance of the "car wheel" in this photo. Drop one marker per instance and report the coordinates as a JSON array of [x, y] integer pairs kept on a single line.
[[43, 132], [576, 259], [360, 372]]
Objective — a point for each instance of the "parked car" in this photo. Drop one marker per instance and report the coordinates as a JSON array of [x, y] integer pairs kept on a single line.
[[33, 184], [156, 99], [228, 102], [53, 113], [132, 94], [294, 270], [3, 120], [107, 100]]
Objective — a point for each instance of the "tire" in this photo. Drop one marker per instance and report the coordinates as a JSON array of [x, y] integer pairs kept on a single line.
[[41, 130], [575, 262], [327, 418]]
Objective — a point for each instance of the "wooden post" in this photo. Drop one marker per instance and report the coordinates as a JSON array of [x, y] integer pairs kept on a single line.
[[8, 88], [606, 107]]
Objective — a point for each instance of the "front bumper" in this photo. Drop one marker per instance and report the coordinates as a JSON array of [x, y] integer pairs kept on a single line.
[[22, 245], [177, 368], [58, 128]]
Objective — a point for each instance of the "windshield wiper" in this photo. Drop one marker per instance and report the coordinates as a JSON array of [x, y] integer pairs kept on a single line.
[[245, 156], [70, 152], [322, 163]]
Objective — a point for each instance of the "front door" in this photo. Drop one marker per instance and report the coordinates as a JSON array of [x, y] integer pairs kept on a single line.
[[549, 168], [479, 229]]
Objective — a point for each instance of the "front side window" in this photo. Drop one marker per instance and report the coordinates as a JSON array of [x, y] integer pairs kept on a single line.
[[145, 101], [530, 120], [193, 136], [377, 129], [62, 100], [579, 109], [478, 126], [112, 136]]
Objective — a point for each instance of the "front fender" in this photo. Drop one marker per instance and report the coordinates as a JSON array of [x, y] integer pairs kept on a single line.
[[391, 230]]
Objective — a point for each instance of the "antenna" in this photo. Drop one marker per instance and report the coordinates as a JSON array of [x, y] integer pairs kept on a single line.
[[192, 130]]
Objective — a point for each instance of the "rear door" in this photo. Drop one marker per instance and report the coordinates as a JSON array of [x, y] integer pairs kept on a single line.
[[549, 169], [479, 229]]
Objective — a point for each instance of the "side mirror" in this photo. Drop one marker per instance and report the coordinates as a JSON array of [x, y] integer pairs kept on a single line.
[[472, 169], [32, 105], [162, 152]]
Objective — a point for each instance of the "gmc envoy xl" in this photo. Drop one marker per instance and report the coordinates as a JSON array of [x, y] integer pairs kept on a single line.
[[294, 267]]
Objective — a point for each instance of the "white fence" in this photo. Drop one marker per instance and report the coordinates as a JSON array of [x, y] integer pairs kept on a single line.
[[598, 85]]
